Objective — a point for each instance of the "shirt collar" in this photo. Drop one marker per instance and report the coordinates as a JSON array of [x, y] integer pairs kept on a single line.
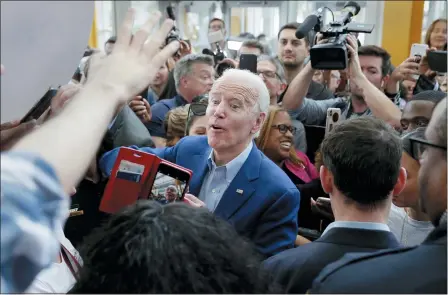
[[357, 225], [179, 100], [234, 166]]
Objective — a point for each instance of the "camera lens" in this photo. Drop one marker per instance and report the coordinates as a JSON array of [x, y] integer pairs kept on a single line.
[[335, 117]]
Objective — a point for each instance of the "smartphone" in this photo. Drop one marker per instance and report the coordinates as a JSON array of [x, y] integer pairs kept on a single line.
[[418, 50], [333, 117], [170, 183], [437, 61], [248, 62], [41, 106]]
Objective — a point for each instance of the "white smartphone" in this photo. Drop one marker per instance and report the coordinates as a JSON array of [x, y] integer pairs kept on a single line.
[[333, 117], [418, 50]]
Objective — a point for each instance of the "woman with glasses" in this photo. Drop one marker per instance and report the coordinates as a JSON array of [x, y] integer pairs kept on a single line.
[[196, 118], [276, 142], [407, 222]]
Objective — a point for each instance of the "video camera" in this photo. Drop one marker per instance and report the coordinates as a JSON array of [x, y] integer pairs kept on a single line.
[[332, 55], [218, 56]]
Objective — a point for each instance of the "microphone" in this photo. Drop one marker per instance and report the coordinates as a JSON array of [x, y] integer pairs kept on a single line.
[[307, 25], [351, 8], [207, 51]]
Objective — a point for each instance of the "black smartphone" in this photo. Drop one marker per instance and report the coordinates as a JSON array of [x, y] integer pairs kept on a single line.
[[41, 106], [248, 62], [437, 61], [170, 183], [170, 12]]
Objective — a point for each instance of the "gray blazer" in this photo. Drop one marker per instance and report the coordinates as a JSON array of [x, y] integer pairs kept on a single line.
[[127, 130]]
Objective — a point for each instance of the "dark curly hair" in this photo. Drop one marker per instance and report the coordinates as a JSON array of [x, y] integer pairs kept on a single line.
[[151, 248]]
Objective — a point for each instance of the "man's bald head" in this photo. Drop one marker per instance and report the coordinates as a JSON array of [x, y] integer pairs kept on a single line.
[[246, 86]]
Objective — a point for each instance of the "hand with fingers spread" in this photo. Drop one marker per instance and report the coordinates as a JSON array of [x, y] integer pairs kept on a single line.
[[141, 108], [135, 60]]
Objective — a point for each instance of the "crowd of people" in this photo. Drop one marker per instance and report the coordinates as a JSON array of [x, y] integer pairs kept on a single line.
[[274, 205]]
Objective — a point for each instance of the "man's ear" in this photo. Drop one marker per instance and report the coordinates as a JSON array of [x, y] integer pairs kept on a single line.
[[401, 182], [326, 179], [259, 122], [282, 88]]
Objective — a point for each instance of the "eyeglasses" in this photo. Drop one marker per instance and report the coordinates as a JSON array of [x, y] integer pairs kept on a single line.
[[198, 108], [283, 128], [267, 74], [418, 146]]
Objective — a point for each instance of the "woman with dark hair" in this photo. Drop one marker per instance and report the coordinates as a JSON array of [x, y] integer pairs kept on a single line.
[[169, 249], [275, 141]]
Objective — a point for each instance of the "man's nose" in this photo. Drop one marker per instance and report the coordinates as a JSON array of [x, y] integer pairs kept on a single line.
[[219, 110]]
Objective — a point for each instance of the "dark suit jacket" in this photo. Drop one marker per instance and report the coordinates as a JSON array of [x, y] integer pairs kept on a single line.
[[127, 129], [420, 269], [263, 210], [296, 269]]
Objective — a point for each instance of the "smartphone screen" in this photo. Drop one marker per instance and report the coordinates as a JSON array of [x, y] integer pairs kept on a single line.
[[248, 62], [169, 185]]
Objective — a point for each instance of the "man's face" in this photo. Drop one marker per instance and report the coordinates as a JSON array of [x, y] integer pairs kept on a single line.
[[233, 118], [432, 175], [249, 50], [108, 47], [416, 113], [371, 67], [199, 81], [161, 76], [267, 72], [170, 194], [291, 51], [217, 25]]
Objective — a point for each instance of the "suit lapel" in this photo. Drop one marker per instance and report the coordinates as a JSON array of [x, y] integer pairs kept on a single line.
[[240, 189], [200, 169]]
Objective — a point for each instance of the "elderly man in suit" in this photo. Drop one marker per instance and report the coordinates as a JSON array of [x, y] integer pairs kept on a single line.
[[231, 177], [419, 269]]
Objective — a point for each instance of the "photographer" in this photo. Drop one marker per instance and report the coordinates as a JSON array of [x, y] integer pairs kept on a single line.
[[367, 71]]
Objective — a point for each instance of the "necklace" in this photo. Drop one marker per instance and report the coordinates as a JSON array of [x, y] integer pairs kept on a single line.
[[403, 237]]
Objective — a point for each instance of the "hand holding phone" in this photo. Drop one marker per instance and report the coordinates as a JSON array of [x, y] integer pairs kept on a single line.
[[41, 106]]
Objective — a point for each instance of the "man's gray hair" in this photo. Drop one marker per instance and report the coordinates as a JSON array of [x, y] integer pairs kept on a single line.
[[184, 65], [279, 70]]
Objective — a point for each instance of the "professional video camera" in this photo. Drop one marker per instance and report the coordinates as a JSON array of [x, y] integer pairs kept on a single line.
[[218, 56], [332, 55]]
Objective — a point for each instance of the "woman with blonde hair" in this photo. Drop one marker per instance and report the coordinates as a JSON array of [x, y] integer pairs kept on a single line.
[[276, 142], [436, 34]]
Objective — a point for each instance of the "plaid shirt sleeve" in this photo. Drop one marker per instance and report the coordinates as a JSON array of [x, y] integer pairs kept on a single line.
[[33, 204]]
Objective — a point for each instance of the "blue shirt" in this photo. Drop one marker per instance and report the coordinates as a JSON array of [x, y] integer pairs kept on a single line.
[[33, 206], [159, 111], [357, 225], [218, 179]]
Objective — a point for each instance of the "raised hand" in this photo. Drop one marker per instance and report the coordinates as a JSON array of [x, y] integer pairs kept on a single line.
[[135, 60]]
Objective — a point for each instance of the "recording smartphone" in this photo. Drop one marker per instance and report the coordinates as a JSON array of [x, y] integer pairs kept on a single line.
[[437, 61], [170, 12], [41, 106], [418, 50], [170, 183], [248, 62], [333, 117]]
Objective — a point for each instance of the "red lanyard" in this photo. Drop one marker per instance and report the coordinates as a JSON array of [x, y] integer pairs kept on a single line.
[[71, 262]]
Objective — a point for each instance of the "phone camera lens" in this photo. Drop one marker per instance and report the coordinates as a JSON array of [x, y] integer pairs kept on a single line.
[[335, 117]]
